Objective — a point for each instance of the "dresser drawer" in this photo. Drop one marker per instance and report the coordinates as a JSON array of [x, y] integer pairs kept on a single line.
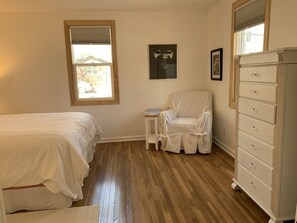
[[259, 129], [256, 167], [259, 110], [266, 74], [260, 150], [254, 186], [258, 91]]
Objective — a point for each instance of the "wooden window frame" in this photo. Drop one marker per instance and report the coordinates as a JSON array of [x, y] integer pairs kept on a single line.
[[70, 65]]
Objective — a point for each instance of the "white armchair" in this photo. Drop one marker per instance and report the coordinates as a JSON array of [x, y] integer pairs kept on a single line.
[[187, 124]]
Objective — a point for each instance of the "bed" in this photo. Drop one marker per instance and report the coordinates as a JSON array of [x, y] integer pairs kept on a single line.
[[44, 158]]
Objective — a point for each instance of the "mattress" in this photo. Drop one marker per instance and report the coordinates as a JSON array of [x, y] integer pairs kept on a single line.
[[50, 149]]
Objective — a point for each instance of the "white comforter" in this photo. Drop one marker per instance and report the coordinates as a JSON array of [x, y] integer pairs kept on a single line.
[[52, 149]]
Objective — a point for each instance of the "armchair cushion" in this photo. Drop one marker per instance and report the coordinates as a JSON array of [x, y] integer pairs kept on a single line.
[[183, 125]]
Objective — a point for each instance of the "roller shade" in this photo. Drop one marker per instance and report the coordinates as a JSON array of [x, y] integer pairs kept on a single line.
[[249, 14], [87, 35]]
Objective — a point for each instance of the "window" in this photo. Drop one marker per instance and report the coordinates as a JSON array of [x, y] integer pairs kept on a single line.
[[250, 40], [92, 65], [249, 33]]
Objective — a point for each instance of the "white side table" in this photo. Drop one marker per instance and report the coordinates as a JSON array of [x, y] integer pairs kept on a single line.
[[151, 116]]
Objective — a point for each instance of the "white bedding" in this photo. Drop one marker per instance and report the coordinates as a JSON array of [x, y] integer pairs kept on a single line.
[[52, 149]]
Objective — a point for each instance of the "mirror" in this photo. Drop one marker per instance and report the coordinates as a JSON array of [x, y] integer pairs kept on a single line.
[[92, 62], [249, 34]]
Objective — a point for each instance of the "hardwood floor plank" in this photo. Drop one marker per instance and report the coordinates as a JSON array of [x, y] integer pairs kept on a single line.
[[132, 184]]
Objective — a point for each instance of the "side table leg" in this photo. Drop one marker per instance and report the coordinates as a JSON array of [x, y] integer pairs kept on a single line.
[[146, 124], [156, 133]]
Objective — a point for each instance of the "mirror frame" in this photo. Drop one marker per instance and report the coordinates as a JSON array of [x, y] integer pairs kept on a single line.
[[232, 79], [72, 81]]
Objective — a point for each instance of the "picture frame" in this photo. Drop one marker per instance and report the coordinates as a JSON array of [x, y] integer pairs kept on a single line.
[[163, 61], [2, 208], [216, 65]]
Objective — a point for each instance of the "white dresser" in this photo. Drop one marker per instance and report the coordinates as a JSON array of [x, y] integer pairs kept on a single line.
[[266, 155]]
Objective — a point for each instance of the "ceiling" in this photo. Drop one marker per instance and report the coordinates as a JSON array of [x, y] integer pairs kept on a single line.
[[87, 5]]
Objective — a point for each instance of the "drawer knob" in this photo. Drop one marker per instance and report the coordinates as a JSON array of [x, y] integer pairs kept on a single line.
[[255, 92], [255, 75], [252, 184], [252, 165], [254, 128], [254, 109], [253, 147]]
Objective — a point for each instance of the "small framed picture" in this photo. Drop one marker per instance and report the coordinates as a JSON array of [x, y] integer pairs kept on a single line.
[[162, 61], [216, 58]]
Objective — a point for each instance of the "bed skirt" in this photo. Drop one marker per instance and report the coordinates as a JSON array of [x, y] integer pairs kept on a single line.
[[33, 198]]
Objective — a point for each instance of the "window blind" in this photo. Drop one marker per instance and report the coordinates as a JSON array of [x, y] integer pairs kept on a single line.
[[90, 35], [249, 14]]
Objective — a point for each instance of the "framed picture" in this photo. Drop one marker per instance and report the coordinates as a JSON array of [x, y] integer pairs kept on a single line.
[[216, 57], [162, 61], [2, 209]]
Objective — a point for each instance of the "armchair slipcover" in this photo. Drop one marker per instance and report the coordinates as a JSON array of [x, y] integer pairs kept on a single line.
[[187, 124]]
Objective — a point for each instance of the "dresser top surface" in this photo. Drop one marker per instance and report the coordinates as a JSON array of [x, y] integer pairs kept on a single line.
[[276, 56]]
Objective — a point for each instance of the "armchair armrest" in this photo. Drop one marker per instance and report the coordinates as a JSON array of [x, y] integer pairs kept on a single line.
[[164, 118], [169, 114], [205, 121]]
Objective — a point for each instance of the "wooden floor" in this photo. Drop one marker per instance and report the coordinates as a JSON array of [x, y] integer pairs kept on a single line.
[[131, 184]]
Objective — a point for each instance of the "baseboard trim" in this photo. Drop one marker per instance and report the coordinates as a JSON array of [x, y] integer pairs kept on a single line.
[[224, 147], [218, 142], [122, 139]]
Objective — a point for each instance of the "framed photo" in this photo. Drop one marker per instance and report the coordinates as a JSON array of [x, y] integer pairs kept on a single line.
[[216, 57], [2, 209], [162, 61]]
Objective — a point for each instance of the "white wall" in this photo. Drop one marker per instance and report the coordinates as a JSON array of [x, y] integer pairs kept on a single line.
[[33, 72], [283, 33], [219, 34], [283, 28]]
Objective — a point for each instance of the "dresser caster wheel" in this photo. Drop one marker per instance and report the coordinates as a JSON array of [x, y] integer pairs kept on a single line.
[[235, 186]]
